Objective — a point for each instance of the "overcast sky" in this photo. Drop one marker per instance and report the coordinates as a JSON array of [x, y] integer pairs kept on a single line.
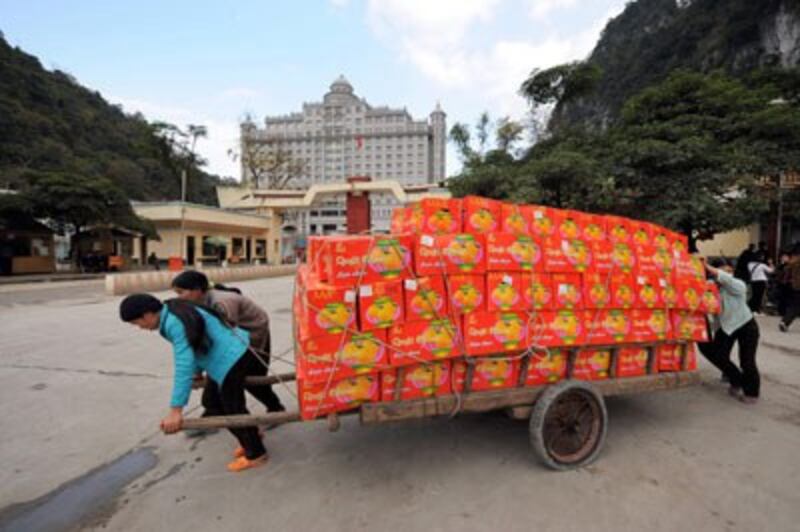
[[209, 62]]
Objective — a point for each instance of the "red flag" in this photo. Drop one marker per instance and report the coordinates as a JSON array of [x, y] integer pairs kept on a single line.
[[359, 142]]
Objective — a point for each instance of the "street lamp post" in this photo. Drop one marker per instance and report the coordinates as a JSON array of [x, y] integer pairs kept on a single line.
[[183, 216]]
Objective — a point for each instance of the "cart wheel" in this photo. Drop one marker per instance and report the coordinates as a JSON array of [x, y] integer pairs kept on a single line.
[[568, 425]]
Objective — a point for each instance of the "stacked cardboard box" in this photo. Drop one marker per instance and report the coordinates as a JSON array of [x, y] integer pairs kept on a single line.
[[501, 288]]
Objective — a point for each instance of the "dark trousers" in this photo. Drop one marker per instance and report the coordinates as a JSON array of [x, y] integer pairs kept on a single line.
[[746, 378], [229, 400], [757, 295], [792, 307]]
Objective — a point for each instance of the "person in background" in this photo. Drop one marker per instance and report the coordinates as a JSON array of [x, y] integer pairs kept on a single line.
[[239, 311], [201, 340], [783, 283], [152, 260], [793, 299], [736, 325], [745, 258], [759, 271]]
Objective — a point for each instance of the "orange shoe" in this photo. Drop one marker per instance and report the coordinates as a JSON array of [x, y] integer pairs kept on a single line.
[[238, 452], [242, 463]]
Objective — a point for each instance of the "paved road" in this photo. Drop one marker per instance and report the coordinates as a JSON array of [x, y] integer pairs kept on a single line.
[[81, 395]]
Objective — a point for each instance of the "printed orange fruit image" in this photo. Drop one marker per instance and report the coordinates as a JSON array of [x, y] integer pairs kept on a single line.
[[515, 223], [334, 317], [623, 257], [362, 352], [659, 324], [439, 338], [467, 298], [389, 258], [383, 312], [495, 371], [483, 221], [618, 324], [567, 326], [509, 330], [577, 253], [427, 378], [442, 222], [525, 252], [427, 303], [355, 390], [505, 296], [464, 251], [593, 232]]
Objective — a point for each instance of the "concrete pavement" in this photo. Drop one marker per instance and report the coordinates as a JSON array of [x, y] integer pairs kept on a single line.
[[79, 390]]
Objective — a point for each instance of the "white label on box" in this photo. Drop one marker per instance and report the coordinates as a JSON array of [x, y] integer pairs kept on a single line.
[[411, 284], [507, 279], [662, 282], [366, 290], [350, 296], [426, 240], [641, 280], [538, 215], [563, 289]]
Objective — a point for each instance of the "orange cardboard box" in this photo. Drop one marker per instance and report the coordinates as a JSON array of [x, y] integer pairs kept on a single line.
[[691, 357], [505, 291], [669, 295], [398, 222], [454, 253], [668, 357], [414, 222], [380, 305], [420, 380], [688, 267], [594, 228], [623, 291], [318, 399], [516, 219], [413, 342], [619, 230], [631, 362], [624, 258], [710, 301], [390, 258], [557, 328], [317, 257], [428, 257], [598, 327], [441, 216], [554, 258], [481, 215], [578, 254], [467, 293], [491, 373], [649, 292], [514, 253], [543, 223], [425, 298], [366, 259], [645, 260], [570, 224], [487, 333], [546, 368], [690, 294], [649, 325], [538, 291], [596, 290], [568, 291], [325, 309], [641, 233], [602, 257], [361, 353], [619, 325], [689, 326], [592, 364], [663, 258], [669, 240]]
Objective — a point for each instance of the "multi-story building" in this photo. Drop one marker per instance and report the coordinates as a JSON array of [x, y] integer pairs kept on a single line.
[[344, 136]]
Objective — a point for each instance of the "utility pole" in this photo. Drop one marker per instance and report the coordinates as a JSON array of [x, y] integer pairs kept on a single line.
[[779, 228], [183, 216]]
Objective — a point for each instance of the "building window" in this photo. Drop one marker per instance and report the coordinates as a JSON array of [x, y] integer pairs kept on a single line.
[[261, 248]]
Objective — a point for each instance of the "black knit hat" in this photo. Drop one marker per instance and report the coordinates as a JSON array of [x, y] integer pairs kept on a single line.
[[135, 306], [719, 262], [191, 280]]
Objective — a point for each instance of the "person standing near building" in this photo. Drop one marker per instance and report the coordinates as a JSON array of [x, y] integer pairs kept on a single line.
[[793, 299], [759, 270], [745, 258], [737, 325], [783, 282]]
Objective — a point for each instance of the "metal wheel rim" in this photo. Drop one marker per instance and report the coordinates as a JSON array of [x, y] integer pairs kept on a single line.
[[572, 427]]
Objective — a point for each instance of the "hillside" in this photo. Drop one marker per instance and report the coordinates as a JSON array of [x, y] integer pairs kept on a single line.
[[50, 123], [653, 37]]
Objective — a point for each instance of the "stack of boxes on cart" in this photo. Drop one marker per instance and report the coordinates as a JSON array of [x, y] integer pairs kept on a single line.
[[504, 290]]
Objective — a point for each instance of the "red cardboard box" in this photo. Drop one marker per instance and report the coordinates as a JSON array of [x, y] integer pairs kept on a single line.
[[557, 328], [516, 219], [690, 294], [429, 259], [441, 216], [510, 252], [592, 364], [691, 358], [688, 267], [645, 260], [467, 293], [387, 258], [663, 259], [668, 293], [398, 222], [464, 253], [543, 224], [578, 254], [569, 224], [619, 326], [318, 399], [360, 353], [568, 289], [318, 257], [481, 215], [594, 228], [390, 258], [649, 292], [413, 342], [624, 258], [689, 326], [602, 257], [619, 230], [538, 291], [505, 291], [631, 362], [554, 259], [546, 368], [668, 357], [491, 373], [641, 233], [380, 305], [642, 328], [325, 309], [623, 291], [487, 333], [420, 380], [710, 301], [596, 290], [598, 327], [425, 298]]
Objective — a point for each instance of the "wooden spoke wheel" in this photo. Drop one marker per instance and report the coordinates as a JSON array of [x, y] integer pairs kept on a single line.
[[568, 425]]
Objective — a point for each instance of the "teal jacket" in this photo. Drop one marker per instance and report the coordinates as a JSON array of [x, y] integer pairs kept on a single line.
[[735, 311], [226, 348]]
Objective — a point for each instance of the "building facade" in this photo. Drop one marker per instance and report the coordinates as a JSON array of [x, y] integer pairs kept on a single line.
[[344, 136]]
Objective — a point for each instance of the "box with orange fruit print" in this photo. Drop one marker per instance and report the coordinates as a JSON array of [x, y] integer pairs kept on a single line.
[[380, 305], [594, 228], [355, 354], [592, 364], [418, 381], [631, 362], [690, 294], [602, 257], [649, 291], [413, 342], [481, 215], [646, 260], [325, 309], [510, 252], [568, 290], [546, 367], [556, 328], [668, 357], [598, 331], [710, 302], [504, 291], [689, 326], [596, 290], [323, 398], [619, 326], [366, 259], [623, 291], [440, 216], [619, 230], [537, 292], [543, 221], [487, 333], [490, 373], [649, 325], [425, 298], [688, 267], [569, 224], [454, 253], [516, 219], [467, 293]]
